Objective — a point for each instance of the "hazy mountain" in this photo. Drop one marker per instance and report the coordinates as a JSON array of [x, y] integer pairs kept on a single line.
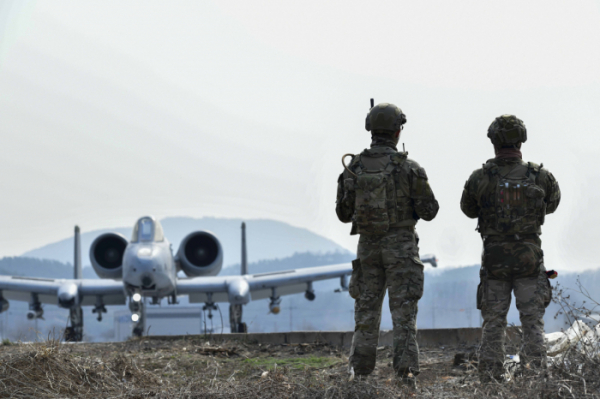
[[267, 239], [33, 267], [448, 300], [296, 261]]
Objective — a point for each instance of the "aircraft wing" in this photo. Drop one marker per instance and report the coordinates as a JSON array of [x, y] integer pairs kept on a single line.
[[259, 286], [294, 281], [240, 289], [48, 290]]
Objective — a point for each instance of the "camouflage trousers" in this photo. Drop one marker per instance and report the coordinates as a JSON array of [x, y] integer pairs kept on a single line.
[[511, 265], [386, 262]]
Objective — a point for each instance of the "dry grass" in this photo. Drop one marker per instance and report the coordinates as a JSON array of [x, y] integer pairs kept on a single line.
[[181, 369], [209, 368]]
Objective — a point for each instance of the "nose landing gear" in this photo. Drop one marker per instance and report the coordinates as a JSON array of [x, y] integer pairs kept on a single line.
[[74, 333], [235, 319], [138, 314]]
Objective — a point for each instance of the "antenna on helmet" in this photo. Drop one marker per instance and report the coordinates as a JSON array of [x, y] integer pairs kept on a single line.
[[372, 103]]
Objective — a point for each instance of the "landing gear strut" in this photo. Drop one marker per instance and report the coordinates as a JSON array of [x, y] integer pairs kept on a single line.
[[99, 308], [74, 333], [235, 319], [35, 308], [138, 315]]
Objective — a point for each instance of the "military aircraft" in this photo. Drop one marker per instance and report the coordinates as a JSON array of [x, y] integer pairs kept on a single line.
[[146, 268]]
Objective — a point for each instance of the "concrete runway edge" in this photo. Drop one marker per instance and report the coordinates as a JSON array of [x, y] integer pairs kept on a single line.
[[425, 338]]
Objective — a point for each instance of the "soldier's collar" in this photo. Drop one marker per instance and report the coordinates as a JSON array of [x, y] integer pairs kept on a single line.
[[506, 161], [381, 150]]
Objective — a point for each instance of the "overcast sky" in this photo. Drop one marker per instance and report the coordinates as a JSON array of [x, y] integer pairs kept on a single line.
[[112, 110]]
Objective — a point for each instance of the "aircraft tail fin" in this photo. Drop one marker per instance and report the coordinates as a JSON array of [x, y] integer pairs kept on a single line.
[[244, 270], [78, 272]]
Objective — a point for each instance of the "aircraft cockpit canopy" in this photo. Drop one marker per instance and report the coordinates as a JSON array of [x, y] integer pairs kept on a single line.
[[147, 229]]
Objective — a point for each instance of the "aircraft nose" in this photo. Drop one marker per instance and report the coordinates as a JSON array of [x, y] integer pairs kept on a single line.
[[67, 295]]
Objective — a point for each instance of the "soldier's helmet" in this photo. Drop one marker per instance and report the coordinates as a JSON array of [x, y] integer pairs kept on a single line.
[[385, 117], [507, 129]]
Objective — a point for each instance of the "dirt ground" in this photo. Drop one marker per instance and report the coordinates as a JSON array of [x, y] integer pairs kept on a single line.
[[214, 368]]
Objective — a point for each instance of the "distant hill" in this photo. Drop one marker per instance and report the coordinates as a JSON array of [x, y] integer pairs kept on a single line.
[[46, 268], [296, 261], [267, 239], [448, 300]]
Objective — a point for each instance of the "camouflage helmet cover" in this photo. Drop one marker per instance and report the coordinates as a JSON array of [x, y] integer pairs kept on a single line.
[[507, 129], [385, 117]]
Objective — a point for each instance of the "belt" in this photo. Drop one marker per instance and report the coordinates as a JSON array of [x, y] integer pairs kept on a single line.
[[510, 238], [391, 230]]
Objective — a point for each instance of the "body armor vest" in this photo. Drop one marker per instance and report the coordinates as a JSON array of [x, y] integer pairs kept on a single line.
[[511, 201], [382, 198]]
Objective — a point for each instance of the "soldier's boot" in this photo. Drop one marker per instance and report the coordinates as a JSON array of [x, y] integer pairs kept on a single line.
[[363, 353], [490, 373], [359, 371], [408, 382]]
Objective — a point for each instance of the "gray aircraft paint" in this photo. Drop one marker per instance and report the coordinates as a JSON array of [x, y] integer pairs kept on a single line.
[[153, 258]]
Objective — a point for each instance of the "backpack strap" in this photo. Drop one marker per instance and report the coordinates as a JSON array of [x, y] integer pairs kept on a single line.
[[490, 168], [539, 172], [356, 164], [399, 158], [532, 167]]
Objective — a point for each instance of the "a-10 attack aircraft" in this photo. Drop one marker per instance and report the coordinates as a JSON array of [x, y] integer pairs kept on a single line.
[[146, 267]]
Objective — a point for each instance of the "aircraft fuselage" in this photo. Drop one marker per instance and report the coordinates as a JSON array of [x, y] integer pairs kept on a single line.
[[149, 269]]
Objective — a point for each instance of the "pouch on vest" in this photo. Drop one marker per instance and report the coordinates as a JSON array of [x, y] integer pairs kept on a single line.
[[372, 214], [355, 279], [516, 205]]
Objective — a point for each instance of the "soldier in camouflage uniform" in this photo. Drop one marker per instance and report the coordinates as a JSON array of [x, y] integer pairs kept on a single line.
[[383, 194], [511, 198]]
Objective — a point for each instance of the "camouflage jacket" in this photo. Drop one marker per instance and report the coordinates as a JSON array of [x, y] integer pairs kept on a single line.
[[474, 191], [410, 178]]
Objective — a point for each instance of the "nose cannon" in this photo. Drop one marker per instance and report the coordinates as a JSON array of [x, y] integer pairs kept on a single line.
[[147, 282]]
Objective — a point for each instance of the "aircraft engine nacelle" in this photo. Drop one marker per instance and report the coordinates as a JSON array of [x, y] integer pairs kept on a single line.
[[106, 255], [200, 254]]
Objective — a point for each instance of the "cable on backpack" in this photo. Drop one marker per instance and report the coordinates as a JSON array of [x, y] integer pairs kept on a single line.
[[345, 166]]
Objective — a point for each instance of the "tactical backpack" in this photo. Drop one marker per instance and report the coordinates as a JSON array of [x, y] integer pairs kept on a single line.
[[511, 203], [381, 200]]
